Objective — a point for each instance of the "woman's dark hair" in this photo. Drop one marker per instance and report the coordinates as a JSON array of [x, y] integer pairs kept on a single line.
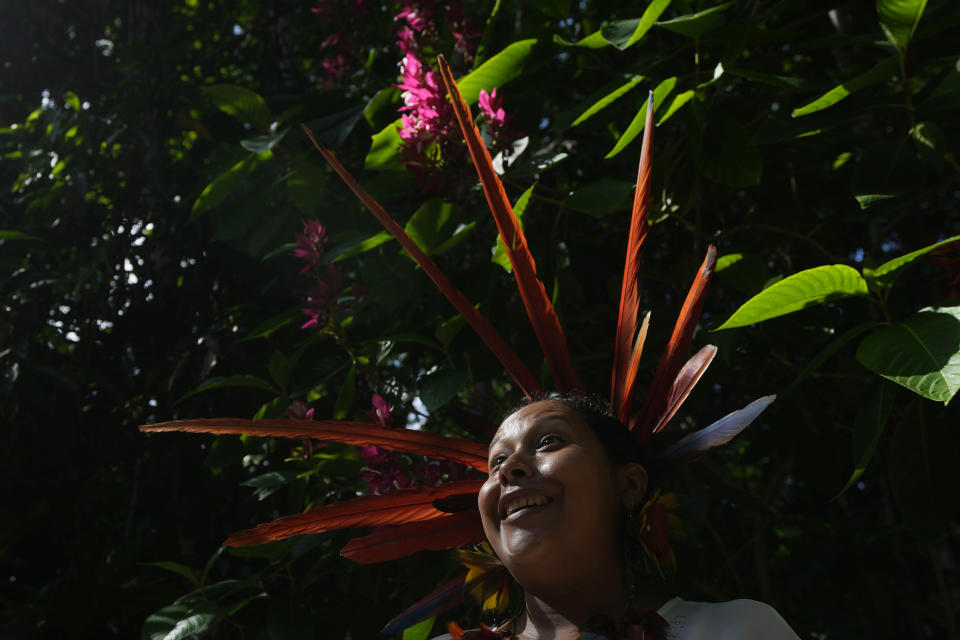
[[618, 442]]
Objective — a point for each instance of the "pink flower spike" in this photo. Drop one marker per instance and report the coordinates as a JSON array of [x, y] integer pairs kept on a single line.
[[381, 411]]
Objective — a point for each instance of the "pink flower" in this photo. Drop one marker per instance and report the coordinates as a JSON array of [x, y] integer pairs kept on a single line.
[[381, 412], [310, 244]]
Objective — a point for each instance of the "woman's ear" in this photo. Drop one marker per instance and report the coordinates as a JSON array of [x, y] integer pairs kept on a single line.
[[632, 478]]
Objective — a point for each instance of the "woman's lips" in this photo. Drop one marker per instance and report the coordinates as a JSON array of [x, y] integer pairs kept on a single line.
[[515, 503]]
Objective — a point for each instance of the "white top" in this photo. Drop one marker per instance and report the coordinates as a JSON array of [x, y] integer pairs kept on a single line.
[[733, 620]]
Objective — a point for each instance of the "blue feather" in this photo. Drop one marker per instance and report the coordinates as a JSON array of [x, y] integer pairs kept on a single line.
[[720, 432], [446, 597]]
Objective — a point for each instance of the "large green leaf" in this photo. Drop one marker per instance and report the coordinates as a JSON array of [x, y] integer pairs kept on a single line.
[[593, 41], [947, 94], [266, 484], [358, 245], [868, 426], [730, 154], [500, 252], [639, 121], [675, 104], [179, 621], [624, 33], [224, 184], [495, 72], [608, 99], [434, 225], [696, 24], [799, 291], [241, 103], [922, 353], [886, 274], [8, 234], [745, 272], [439, 388], [880, 72], [899, 19]]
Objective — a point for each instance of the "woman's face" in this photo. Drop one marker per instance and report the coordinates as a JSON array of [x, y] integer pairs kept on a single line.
[[553, 494]]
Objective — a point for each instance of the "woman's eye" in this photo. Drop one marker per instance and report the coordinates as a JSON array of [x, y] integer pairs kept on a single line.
[[497, 461], [548, 440]]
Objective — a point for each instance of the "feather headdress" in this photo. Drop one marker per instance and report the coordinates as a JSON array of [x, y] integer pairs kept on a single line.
[[446, 516]]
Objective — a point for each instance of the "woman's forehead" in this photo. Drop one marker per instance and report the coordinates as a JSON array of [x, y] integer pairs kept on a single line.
[[532, 415]]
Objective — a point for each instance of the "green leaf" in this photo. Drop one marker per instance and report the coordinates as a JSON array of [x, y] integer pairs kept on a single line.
[[332, 129], [886, 274], [922, 353], [384, 150], [221, 186], [441, 387], [495, 72], [449, 329], [745, 272], [358, 246], [608, 99], [598, 198], [930, 143], [880, 72], [946, 95], [899, 19], [799, 291], [885, 170], [639, 121], [241, 103], [868, 426], [675, 104], [730, 154], [489, 30], [72, 99], [179, 621], [242, 381], [433, 224], [419, 631], [281, 366], [500, 256], [16, 235], [593, 41], [176, 567], [273, 323], [348, 392], [261, 144], [696, 24], [268, 483], [624, 33]]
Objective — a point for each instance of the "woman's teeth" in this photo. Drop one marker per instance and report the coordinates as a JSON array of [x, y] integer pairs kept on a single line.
[[521, 503]]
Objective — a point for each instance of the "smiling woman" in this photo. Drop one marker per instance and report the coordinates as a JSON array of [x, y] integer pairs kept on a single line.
[[564, 481]]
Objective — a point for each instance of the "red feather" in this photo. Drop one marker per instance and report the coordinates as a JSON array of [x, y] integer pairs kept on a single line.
[[523, 377], [540, 310], [646, 420], [447, 532], [397, 507], [422, 443], [624, 375], [686, 380]]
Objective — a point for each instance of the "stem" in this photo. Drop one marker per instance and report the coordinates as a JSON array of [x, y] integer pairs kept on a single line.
[[908, 101]]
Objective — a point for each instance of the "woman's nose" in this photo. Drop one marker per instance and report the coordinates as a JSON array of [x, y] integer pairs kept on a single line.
[[513, 468]]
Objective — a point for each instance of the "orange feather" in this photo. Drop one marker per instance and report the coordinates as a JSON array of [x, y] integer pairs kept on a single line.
[[423, 443], [646, 421], [523, 377], [624, 373], [437, 534], [397, 507], [540, 310]]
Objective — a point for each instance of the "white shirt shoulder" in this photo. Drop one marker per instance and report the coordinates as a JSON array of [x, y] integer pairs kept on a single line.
[[733, 620]]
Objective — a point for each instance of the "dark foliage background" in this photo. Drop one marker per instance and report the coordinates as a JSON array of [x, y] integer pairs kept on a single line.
[[154, 177]]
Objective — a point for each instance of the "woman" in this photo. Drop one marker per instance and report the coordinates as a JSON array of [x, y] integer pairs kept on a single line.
[[563, 478]]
